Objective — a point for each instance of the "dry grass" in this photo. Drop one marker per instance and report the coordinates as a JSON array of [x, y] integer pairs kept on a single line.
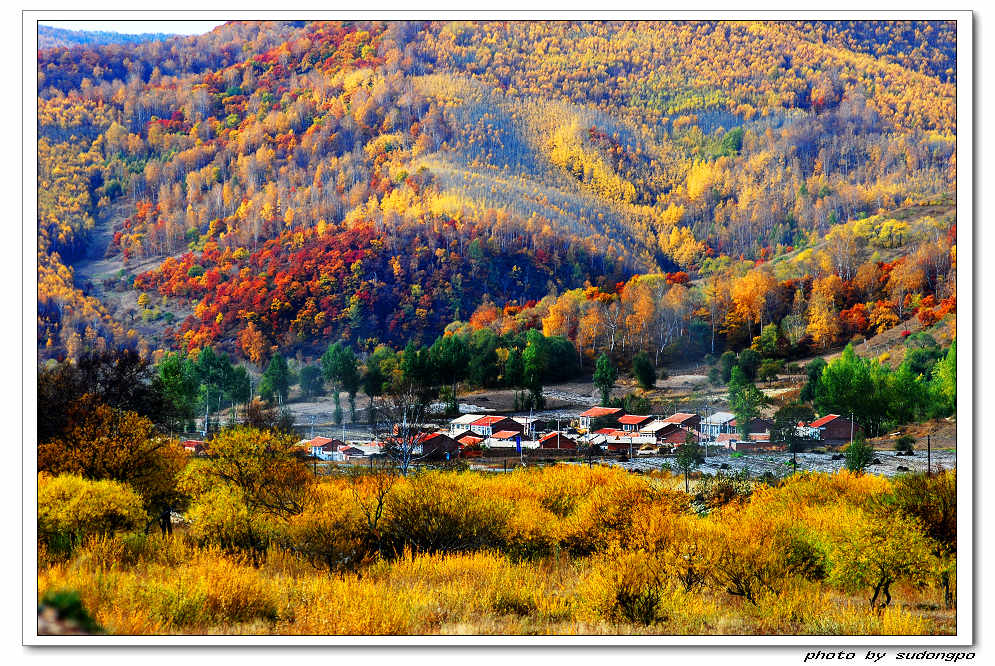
[[571, 551]]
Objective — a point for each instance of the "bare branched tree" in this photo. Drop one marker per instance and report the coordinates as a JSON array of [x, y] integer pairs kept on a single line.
[[399, 421], [370, 488]]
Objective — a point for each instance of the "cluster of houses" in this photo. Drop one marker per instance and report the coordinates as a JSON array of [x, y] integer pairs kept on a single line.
[[614, 430], [609, 428]]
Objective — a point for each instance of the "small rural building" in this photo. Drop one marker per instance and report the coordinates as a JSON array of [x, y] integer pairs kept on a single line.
[[727, 439], [461, 424], [633, 422], [486, 426], [716, 424], [435, 446], [555, 440], [194, 446], [678, 435], [469, 439], [509, 439], [352, 452], [833, 427], [667, 432], [326, 448], [625, 438], [757, 425], [655, 427], [597, 417], [684, 419]]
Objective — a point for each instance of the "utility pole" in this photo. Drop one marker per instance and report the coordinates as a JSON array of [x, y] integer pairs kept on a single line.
[[929, 457], [207, 411]]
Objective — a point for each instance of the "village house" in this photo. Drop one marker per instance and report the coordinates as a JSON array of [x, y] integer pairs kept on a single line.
[[461, 424], [835, 428], [597, 417], [684, 419], [667, 432], [716, 424], [469, 439], [633, 422], [655, 428], [621, 440], [509, 439], [348, 452], [555, 440], [677, 435], [194, 446], [325, 448], [438, 446], [486, 426], [757, 425]]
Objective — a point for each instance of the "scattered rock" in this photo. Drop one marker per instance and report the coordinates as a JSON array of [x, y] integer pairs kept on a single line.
[[903, 468], [837, 456], [876, 461], [724, 466]]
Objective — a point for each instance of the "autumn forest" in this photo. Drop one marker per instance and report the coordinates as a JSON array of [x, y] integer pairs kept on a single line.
[[280, 186], [560, 215]]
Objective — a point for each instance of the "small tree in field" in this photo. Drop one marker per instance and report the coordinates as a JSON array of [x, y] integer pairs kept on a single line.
[[250, 480], [688, 458], [858, 455], [905, 445], [880, 553]]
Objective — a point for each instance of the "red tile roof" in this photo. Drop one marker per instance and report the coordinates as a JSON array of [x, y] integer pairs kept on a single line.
[[604, 431], [506, 434], [760, 436], [679, 417], [469, 440], [596, 412], [488, 420], [634, 419], [728, 437], [818, 423]]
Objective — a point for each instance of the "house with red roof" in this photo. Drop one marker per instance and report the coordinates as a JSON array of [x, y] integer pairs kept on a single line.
[[555, 440], [835, 428], [486, 426], [194, 446], [596, 417], [633, 422], [325, 448], [684, 419], [469, 440], [678, 435], [438, 446], [757, 425]]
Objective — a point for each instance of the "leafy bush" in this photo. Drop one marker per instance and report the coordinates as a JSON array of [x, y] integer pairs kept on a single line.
[[905, 444], [71, 508], [858, 455]]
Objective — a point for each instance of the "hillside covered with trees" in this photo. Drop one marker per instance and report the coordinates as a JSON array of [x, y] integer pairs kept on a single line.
[[669, 188]]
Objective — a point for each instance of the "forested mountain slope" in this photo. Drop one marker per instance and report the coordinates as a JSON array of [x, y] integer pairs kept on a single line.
[[373, 182], [51, 37]]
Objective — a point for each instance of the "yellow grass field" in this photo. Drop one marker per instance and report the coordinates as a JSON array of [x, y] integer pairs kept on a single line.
[[560, 550]]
